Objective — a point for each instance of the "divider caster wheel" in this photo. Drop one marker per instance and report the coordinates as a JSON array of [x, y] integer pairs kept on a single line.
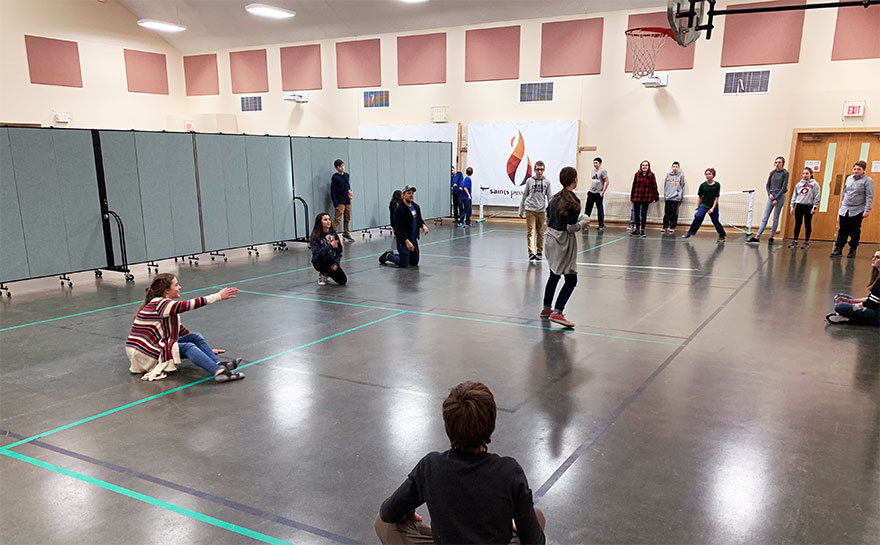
[[129, 277], [98, 274], [69, 284], [225, 259], [8, 295]]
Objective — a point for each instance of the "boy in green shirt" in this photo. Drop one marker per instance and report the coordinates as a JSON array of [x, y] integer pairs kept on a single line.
[[709, 192]]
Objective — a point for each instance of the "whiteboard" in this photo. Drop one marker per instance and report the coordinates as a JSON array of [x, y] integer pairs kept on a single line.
[[428, 132]]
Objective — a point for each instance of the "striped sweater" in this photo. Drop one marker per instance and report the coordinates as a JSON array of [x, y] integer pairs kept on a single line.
[[151, 346]]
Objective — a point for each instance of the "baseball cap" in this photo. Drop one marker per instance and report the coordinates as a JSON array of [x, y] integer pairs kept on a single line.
[[407, 188]]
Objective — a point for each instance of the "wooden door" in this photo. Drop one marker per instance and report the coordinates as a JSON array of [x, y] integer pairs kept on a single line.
[[836, 153]]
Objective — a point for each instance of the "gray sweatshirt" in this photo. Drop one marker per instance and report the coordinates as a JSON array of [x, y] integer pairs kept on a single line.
[[777, 183], [673, 189], [858, 196], [536, 195], [806, 192]]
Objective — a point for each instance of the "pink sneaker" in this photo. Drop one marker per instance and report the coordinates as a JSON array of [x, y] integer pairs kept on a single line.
[[560, 319]]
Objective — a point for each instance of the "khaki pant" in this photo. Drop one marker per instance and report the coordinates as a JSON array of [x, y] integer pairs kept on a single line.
[[411, 532], [337, 215], [535, 225]]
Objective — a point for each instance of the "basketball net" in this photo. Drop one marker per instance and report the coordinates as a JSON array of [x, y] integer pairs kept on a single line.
[[644, 44]]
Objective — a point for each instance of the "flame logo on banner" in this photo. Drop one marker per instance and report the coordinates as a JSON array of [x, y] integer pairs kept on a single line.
[[516, 158]]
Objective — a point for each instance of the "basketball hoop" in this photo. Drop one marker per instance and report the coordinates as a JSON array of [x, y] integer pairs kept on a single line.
[[644, 44]]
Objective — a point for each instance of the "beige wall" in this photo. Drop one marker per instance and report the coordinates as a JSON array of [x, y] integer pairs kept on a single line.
[[689, 121], [102, 31]]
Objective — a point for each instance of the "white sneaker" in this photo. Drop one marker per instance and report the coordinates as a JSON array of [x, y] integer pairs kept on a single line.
[[322, 280]]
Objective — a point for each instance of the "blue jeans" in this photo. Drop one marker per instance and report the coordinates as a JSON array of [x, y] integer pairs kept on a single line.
[[404, 258], [465, 217], [698, 220], [777, 210], [868, 316], [194, 347]]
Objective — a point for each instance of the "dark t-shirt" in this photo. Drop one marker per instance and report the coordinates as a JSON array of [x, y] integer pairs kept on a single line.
[[708, 194], [472, 498]]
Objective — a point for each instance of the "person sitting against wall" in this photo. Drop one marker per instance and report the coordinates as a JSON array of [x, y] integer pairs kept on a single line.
[[158, 340], [326, 251], [860, 311]]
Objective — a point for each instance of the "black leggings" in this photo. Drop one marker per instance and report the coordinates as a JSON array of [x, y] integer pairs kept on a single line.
[[338, 275], [802, 214], [571, 281], [597, 199], [641, 212]]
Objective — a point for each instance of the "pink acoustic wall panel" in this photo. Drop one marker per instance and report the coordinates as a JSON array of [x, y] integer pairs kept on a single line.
[[571, 48], [301, 68], [421, 59], [200, 73], [249, 71], [857, 34], [491, 54], [53, 62], [671, 56], [358, 64], [763, 38], [146, 72]]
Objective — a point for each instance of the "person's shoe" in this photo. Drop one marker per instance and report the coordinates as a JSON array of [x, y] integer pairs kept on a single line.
[[231, 365], [539, 256], [384, 257], [805, 245], [634, 233], [852, 253], [686, 235], [642, 234], [322, 280], [835, 318], [836, 252], [560, 319], [226, 375], [722, 239], [793, 244], [671, 231], [532, 257], [347, 237], [770, 241], [753, 239], [601, 228], [545, 313]]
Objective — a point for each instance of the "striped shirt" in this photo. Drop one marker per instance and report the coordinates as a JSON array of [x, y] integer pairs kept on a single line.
[[152, 343]]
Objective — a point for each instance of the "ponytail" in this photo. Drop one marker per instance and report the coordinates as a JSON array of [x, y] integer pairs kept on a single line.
[[160, 284]]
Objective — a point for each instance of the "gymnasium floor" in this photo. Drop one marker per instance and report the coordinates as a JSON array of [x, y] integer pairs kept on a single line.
[[701, 398]]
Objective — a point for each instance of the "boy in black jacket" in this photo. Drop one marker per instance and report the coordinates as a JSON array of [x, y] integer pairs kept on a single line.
[[473, 496], [407, 224]]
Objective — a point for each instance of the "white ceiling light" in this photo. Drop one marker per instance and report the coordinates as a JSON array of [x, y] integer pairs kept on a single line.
[[269, 11], [413, 1], [160, 26]]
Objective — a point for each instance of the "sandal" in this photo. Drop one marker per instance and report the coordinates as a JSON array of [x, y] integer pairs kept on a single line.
[[231, 365], [226, 375]]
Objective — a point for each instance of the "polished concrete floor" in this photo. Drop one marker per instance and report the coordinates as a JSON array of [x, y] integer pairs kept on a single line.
[[701, 398]]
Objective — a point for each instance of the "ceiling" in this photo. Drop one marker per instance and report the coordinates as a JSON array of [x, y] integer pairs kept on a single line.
[[224, 24]]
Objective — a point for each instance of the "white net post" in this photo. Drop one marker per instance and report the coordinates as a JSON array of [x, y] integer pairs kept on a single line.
[[751, 211]]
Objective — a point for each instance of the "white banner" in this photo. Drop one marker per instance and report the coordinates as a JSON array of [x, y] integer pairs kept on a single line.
[[428, 132], [503, 156]]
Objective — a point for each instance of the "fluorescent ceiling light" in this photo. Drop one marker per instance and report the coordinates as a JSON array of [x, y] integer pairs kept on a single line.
[[269, 11], [413, 1], [161, 26]]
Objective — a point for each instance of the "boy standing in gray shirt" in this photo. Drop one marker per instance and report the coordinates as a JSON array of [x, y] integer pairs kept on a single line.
[[673, 193], [596, 194], [777, 186], [855, 205], [536, 195]]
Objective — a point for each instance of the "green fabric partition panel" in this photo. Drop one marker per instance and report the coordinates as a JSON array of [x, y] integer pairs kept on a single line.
[[167, 178], [322, 170], [370, 200], [281, 187], [223, 187], [356, 165], [385, 182], [119, 156], [436, 175], [423, 168], [259, 178], [75, 164], [13, 254], [300, 148], [57, 195]]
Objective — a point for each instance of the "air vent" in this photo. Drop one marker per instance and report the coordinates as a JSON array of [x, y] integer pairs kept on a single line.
[[252, 104], [541, 91], [752, 82]]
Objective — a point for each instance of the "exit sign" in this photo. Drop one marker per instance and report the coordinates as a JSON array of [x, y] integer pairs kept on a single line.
[[854, 109]]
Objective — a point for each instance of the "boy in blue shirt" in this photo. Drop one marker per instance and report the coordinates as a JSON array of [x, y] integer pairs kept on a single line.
[[466, 199]]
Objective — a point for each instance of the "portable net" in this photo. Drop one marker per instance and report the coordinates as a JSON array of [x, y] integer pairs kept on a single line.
[[644, 44]]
